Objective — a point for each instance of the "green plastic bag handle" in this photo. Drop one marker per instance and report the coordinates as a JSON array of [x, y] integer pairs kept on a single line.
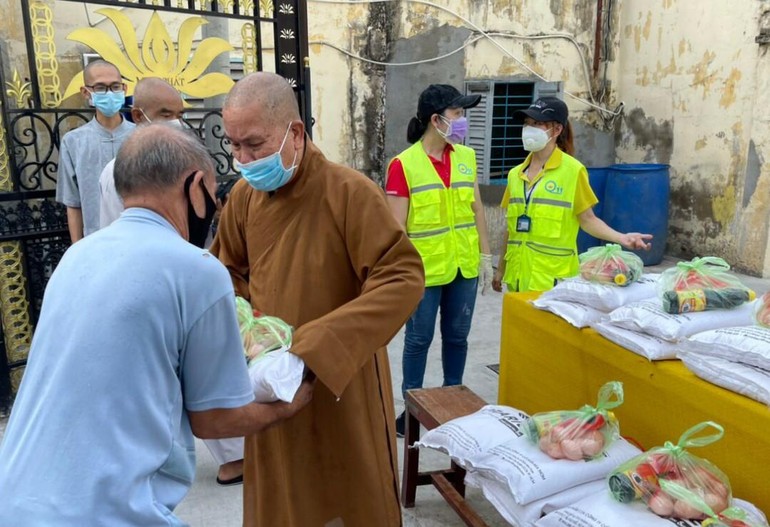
[[730, 513], [687, 440], [697, 264], [606, 393], [610, 396]]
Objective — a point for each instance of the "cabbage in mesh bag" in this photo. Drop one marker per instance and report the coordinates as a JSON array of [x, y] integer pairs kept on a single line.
[[260, 334], [578, 434], [762, 311], [655, 476], [610, 264], [701, 284]]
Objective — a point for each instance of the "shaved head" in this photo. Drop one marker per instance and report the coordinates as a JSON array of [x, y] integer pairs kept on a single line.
[[98, 65], [156, 100], [151, 89], [269, 92], [261, 117]]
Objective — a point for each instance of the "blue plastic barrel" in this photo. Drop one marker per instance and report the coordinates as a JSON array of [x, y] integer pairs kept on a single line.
[[636, 200], [597, 176]]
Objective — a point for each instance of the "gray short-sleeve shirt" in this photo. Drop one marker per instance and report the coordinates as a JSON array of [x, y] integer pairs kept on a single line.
[[83, 155]]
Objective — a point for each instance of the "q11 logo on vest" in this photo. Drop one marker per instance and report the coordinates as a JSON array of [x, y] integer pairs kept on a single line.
[[465, 169], [553, 188]]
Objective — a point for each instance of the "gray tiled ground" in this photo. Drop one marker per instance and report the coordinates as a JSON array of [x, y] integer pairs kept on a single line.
[[208, 505]]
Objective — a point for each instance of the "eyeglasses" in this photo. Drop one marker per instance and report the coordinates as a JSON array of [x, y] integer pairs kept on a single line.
[[115, 87]]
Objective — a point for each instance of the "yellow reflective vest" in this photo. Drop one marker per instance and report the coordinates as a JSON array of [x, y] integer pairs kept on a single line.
[[535, 259], [441, 222]]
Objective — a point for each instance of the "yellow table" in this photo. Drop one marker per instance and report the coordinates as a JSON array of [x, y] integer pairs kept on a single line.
[[547, 364]]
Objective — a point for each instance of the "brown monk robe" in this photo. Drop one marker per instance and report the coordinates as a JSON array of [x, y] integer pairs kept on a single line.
[[325, 254]]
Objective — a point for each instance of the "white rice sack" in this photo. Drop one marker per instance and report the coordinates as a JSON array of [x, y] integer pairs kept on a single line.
[[600, 296], [648, 317], [530, 474], [578, 315], [653, 348], [747, 345], [526, 515], [276, 376], [751, 381], [601, 510], [469, 435]]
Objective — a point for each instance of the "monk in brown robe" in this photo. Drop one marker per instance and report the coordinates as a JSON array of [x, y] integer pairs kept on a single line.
[[314, 243]]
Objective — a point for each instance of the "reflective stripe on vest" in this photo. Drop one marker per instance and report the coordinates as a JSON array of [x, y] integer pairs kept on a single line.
[[441, 222], [548, 251]]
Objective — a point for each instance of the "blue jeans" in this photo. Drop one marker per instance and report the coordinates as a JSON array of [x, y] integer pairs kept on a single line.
[[456, 300]]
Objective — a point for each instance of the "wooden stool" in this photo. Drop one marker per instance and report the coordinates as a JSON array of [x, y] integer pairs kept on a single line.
[[430, 408]]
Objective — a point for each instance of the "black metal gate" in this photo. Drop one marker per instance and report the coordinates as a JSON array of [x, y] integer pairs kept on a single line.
[[37, 111]]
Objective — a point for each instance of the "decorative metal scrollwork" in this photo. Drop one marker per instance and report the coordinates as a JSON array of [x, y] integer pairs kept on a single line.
[[210, 129], [35, 144], [31, 216]]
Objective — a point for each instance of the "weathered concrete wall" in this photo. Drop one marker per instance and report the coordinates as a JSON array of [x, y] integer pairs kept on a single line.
[[593, 146], [692, 79], [694, 84], [404, 83]]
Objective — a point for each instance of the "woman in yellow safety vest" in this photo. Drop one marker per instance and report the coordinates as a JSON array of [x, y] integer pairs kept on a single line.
[[548, 198], [433, 192]]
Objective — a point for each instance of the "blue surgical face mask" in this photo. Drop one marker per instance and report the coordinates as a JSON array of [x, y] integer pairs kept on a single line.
[[268, 174], [108, 103]]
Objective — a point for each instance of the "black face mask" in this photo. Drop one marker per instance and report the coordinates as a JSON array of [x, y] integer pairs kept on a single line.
[[197, 227]]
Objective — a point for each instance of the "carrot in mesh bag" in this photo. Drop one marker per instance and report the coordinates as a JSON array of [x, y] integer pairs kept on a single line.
[[701, 284], [651, 476], [733, 516], [260, 334], [578, 434], [610, 264], [762, 311]]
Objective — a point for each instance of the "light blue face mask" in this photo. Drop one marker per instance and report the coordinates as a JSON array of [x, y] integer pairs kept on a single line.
[[108, 103], [268, 174]]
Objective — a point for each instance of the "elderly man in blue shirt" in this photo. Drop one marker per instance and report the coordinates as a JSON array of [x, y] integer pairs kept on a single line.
[[137, 349]]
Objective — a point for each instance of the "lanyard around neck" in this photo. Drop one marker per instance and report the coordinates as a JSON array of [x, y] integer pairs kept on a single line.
[[528, 194]]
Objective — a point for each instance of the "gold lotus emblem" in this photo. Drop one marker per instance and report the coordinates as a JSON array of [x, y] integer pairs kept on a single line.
[[158, 56]]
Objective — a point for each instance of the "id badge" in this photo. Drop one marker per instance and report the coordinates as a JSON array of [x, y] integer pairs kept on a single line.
[[523, 223]]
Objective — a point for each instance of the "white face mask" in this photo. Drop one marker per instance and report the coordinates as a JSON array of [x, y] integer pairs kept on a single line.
[[173, 123], [534, 139]]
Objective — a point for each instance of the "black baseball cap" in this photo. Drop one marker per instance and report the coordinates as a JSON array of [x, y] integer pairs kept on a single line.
[[438, 97], [543, 110]]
